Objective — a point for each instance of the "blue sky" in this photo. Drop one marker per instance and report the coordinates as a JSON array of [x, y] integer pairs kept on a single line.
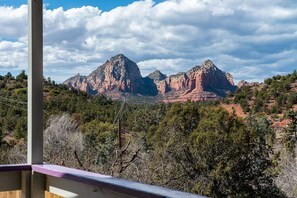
[[252, 40], [105, 5]]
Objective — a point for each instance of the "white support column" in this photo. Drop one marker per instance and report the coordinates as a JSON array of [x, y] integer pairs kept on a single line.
[[35, 182], [35, 83]]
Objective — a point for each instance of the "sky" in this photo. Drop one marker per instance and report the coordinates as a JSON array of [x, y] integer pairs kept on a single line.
[[250, 39]]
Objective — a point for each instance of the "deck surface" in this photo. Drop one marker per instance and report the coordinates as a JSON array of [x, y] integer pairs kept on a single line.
[[17, 194]]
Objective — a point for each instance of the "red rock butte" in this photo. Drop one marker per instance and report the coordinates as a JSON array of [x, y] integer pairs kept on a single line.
[[119, 76]]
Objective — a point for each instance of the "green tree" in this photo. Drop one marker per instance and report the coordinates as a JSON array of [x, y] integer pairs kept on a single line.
[[100, 143], [22, 76], [290, 133], [268, 81], [20, 130], [217, 155]]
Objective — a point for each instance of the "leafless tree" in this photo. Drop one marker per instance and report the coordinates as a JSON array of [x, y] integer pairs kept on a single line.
[[63, 141], [287, 179], [18, 154]]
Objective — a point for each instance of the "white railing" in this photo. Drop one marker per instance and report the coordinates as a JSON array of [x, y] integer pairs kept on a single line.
[[73, 183]]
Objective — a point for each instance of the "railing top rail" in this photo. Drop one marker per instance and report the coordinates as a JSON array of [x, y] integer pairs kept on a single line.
[[17, 167], [108, 182]]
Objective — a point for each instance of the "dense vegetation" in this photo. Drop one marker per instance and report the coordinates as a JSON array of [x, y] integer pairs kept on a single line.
[[275, 95], [192, 146]]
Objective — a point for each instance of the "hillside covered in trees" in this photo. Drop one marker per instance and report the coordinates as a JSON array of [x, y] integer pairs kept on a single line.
[[275, 95], [197, 147]]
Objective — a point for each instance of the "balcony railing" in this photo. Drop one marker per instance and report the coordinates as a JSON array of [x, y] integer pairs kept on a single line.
[[58, 181]]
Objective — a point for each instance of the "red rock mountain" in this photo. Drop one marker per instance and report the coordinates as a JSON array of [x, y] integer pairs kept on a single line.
[[120, 76], [116, 76]]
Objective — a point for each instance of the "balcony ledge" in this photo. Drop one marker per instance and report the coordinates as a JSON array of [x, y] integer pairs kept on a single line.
[[14, 168], [130, 188], [108, 182]]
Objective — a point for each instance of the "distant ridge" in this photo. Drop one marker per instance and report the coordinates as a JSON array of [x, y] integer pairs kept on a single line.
[[119, 76]]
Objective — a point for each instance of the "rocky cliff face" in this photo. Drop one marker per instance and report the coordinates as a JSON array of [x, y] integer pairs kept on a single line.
[[205, 82], [78, 82], [119, 76], [244, 83], [157, 76], [156, 83]]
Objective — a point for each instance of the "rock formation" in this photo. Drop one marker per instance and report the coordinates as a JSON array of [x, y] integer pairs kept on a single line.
[[117, 75], [121, 76]]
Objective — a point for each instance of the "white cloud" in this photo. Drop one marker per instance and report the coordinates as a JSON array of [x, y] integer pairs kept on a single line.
[[171, 66], [12, 54], [13, 22], [251, 39]]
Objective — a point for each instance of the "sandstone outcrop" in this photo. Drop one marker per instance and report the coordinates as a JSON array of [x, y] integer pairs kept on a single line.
[[121, 76]]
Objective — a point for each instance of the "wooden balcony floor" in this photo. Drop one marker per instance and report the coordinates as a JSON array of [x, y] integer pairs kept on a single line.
[[17, 194], [10, 194]]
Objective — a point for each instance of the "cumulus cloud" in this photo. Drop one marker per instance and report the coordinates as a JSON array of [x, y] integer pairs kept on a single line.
[[171, 66], [250, 39]]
